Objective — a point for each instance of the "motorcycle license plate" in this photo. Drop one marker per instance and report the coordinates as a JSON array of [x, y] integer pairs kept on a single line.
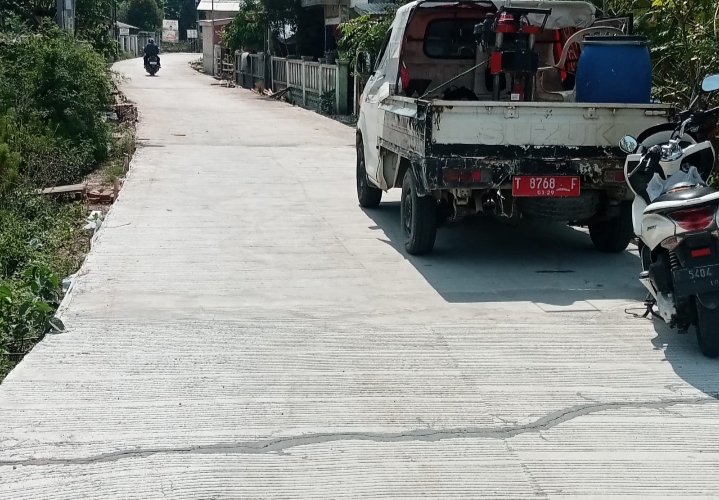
[[545, 185], [696, 280], [153, 63]]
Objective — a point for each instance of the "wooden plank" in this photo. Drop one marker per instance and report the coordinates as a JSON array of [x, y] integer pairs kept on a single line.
[[70, 189]]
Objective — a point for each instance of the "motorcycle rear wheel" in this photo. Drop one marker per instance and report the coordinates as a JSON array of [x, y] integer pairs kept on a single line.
[[708, 330]]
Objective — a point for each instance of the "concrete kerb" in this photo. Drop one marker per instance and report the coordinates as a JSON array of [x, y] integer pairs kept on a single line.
[[67, 298]]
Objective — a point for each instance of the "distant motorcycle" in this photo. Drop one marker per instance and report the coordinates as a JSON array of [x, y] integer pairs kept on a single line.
[[153, 65], [675, 218]]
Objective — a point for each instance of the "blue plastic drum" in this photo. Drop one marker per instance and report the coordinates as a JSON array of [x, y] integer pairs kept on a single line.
[[614, 69]]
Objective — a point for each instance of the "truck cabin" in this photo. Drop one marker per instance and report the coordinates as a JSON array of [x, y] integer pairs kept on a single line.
[[493, 50]]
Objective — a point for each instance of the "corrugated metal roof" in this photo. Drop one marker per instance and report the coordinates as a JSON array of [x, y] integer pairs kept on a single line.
[[314, 3], [374, 8], [125, 25], [220, 5]]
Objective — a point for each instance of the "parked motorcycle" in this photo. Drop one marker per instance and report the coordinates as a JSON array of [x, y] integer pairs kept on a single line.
[[153, 65], [675, 218]]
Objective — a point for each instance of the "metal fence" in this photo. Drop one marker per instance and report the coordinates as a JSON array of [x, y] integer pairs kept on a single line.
[[323, 87], [133, 44], [250, 69]]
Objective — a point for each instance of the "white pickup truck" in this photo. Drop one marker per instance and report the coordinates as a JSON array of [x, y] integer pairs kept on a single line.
[[433, 123]]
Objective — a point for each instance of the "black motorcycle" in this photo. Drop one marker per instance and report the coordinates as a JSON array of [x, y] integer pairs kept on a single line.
[[153, 65]]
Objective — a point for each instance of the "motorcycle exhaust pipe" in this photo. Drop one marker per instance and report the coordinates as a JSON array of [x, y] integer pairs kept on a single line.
[[644, 280]]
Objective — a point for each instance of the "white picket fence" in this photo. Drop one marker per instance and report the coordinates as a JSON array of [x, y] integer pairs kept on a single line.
[[323, 87], [309, 82]]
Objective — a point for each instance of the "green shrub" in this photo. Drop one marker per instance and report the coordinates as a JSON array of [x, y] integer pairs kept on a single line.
[[247, 30], [362, 34], [27, 307], [9, 163], [327, 103], [35, 230], [684, 42], [53, 92]]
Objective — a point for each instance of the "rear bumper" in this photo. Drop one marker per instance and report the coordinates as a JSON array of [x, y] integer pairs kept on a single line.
[[590, 164]]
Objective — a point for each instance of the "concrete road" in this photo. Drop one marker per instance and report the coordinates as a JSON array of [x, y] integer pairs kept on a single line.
[[242, 329]]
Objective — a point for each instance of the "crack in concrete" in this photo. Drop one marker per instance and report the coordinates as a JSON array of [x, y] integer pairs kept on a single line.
[[279, 445]]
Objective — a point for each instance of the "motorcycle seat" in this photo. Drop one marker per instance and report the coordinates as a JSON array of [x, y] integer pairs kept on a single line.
[[683, 197]]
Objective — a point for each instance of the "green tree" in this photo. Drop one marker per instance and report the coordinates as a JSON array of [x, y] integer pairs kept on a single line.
[[362, 34], [282, 18], [53, 91], [247, 30], [144, 14], [93, 22], [684, 42], [29, 12]]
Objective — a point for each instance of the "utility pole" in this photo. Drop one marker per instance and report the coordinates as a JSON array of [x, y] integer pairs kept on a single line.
[[212, 16], [197, 26], [65, 15], [115, 31]]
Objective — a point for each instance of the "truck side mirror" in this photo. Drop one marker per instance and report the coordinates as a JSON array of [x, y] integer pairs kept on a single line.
[[628, 144]]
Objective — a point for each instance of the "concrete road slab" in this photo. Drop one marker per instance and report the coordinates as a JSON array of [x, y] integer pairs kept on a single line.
[[242, 329]]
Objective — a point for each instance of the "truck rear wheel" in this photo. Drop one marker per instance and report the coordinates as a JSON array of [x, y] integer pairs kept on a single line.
[[419, 218], [368, 195], [708, 330], [613, 235]]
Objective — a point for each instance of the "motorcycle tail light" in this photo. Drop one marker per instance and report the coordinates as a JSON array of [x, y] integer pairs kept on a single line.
[[701, 252], [694, 219], [671, 243]]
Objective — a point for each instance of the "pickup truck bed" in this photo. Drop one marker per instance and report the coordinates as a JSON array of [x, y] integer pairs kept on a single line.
[[510, 138]]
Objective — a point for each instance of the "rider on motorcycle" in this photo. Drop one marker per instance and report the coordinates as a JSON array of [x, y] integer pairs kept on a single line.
[[152, 50]]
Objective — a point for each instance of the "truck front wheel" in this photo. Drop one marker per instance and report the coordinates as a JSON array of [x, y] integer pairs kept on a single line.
[[419, 218], [613, 235], [368, 195]]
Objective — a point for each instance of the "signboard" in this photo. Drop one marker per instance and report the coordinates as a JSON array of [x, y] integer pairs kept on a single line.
[[170, 30], [191, 34], [124, 31]]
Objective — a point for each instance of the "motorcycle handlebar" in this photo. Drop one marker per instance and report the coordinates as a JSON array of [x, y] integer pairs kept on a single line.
[[652, 155], [696, 117]]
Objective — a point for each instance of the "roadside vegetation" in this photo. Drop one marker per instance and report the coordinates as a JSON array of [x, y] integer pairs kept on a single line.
[[363, 34], [55, 91], [295, 30], [684, 41]]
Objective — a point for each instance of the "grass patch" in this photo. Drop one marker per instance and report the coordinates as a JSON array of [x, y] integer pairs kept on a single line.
[[41, 241]]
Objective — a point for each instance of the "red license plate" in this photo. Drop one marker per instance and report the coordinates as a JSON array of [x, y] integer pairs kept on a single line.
[[545, 185]]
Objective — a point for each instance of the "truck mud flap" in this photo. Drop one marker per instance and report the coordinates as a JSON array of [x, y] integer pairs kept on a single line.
[[709, 300]]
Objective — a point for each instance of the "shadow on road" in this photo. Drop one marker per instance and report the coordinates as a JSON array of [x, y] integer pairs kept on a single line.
[[682, 352], [484, 260]]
